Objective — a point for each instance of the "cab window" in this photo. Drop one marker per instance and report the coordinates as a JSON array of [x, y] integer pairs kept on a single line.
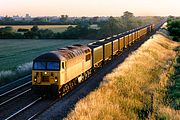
[[39, 65], [53, 65], [88, 57], [63, 65]]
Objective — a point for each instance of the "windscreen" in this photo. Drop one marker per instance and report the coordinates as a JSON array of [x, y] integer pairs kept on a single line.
[[53, 65], [46, 65]]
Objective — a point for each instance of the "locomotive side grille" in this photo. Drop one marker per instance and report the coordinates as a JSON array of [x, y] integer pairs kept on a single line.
[[45, 79]]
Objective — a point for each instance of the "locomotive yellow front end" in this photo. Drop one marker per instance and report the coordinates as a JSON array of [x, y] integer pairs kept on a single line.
[[57, 72], [46, 74]]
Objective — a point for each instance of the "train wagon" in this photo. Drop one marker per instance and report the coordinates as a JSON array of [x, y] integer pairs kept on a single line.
[[134, 35], [121, 43], [126, 39], [58, 71], [130, 37], [140, 33], [107, 49], [97, 54], [115, 46]]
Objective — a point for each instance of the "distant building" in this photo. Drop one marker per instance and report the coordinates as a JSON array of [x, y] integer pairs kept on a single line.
[[1, 17], [28, 17], [17, 18]]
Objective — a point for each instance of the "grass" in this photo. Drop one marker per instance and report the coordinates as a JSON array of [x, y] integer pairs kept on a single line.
[[135, 89], [174, 87], [170, 100], [11, 75], [54, 28], [17, 55]]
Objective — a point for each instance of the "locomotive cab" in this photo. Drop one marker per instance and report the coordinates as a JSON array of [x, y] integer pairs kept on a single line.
[[46, 73]]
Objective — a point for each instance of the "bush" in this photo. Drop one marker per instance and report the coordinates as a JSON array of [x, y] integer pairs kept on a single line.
[[21, 70], [22, 30], [174, 28]]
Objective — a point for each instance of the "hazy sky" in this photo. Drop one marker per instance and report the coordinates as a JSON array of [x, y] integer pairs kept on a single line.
[[89, 7]]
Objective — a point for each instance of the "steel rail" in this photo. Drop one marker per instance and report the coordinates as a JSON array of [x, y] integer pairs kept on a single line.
[[14, 97], [15, 89], [21, 110], [2, 87]]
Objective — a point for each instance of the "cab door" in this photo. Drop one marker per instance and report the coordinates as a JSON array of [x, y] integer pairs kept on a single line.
[[63, 73]]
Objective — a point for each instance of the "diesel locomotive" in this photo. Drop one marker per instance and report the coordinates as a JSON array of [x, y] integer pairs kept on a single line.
[[57, 72]]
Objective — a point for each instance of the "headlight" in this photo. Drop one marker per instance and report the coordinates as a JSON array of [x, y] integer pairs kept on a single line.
[[55, 79], [35, 78]]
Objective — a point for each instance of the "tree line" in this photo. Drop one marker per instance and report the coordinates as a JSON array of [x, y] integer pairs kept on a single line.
[[83, 30], [173, 26]]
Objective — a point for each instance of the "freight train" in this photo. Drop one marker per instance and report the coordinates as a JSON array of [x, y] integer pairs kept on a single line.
[[57, 72]]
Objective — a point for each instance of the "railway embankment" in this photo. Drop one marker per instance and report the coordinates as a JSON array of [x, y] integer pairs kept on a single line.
[[139, 88]]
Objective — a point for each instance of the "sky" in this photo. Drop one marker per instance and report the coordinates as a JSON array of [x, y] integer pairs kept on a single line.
[[89, 7]]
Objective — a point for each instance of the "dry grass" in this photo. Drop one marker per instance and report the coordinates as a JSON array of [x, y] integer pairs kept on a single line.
[[20, 71], [133, 90]]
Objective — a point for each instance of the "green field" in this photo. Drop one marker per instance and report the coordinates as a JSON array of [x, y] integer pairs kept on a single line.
[[16, 52], [54, 28]]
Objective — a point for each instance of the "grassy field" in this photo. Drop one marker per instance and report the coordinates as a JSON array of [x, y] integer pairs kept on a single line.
[[18, 54], [135, 89], [54, 28]]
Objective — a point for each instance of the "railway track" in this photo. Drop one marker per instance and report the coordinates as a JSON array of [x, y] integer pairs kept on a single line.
[[21, 103], [14, 93], [23, 109], [14, 100], [15, 85]]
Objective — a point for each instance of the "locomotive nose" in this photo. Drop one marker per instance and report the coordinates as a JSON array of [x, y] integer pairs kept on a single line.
[[47, 77]]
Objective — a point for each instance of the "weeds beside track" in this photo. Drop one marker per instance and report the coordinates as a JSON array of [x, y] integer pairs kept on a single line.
[[131, 90]]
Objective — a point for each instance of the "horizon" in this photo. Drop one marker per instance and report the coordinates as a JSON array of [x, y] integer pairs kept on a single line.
[[78, 8], [77, 16]]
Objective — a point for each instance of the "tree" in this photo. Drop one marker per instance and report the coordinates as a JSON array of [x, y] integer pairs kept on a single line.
[[174, 28], [63, 19], [6, 29], [34, 28], [22, 30], [45, 34], [127, 15]]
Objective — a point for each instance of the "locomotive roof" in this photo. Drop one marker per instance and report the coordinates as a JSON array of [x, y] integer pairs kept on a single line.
[[64, 54]]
